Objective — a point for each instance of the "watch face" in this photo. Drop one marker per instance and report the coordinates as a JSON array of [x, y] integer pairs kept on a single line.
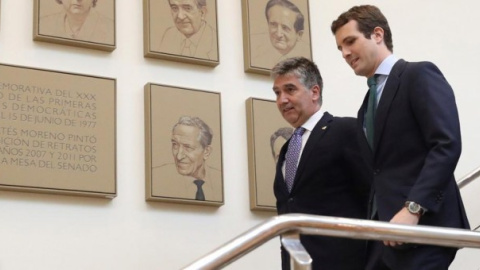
[[414, 207]]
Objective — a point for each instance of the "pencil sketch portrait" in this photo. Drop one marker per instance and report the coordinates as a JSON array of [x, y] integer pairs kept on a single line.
[[267, 133], [281, 32], [189, 33], [188, 175], [81, 20], [277, 140]]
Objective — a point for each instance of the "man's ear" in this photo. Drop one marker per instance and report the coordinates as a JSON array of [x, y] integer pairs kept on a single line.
[[206, 152], [316, 92], [378, 33], [299, 35], [204, 10]]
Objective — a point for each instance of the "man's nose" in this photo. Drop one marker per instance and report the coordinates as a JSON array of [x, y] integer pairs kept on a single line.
[[180, 153], [279, 31], [346, 53], [282, 98], [181, 14]]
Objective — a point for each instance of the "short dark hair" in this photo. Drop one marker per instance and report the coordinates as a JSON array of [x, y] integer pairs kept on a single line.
[[284, 132], [368, 17], [304, 69], [94, 3], [206, 134], [299, 22]]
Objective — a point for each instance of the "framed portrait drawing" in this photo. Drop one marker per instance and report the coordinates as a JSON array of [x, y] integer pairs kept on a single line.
[[183, 31], [89, 23], [274, 30], [183, 145], [57, 133], [267, 132]]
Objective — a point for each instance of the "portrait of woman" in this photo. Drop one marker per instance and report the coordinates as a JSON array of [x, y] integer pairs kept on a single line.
[[77, 20]]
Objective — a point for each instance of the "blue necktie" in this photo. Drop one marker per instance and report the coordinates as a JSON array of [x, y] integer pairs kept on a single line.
[[371, 110], [292, 156]]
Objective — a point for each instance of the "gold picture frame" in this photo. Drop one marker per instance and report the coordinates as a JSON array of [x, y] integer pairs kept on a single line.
[[58, 132], [285, 34], [168, 37], [183, 145], [266, 133], [76, 24]]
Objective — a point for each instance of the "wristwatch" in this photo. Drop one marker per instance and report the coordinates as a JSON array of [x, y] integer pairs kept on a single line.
[[414, 208]]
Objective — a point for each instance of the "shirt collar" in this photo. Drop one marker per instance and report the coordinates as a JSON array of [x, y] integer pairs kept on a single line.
[[195, 38], [313, 120], [386, 66]]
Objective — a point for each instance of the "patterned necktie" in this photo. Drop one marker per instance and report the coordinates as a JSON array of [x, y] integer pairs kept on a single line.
[[199, 196], [371, 109], [291, 158]]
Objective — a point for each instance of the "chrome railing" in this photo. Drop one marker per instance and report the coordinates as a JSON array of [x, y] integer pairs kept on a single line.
[[291, 225], [467, 179]]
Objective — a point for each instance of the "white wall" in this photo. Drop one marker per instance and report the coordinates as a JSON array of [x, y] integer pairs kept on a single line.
[[60, 232]]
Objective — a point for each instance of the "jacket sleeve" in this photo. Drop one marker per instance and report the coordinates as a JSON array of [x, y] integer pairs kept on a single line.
[[433, 104]]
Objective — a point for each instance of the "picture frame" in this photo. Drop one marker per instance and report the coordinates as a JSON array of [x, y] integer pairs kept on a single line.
[[58, 132], [267, 42], [97, 30], [165, 39], [267, 131], [183, 142]]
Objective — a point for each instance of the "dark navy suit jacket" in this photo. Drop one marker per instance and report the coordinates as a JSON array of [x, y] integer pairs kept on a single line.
[[417, 144], [331, 180]]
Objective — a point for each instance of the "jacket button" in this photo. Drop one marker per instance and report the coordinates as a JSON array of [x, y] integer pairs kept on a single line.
[[290, 200]]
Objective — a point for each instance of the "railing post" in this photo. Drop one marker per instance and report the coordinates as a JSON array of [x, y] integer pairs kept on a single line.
[[299, 257]]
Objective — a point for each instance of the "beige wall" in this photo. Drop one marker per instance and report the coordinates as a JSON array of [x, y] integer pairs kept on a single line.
[[61, 232]]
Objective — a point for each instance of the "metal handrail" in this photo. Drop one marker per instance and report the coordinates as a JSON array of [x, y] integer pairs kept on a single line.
[[467, 179], [294, 224], [333, 226]]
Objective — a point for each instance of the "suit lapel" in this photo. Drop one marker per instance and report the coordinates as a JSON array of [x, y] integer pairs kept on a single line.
[[362, 139], [281, 160], [317, 133], [388, 94]]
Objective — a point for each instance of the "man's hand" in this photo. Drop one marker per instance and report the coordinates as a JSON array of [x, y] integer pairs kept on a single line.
[[402, 217]]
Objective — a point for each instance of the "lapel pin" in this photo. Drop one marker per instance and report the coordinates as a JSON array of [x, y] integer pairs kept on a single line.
[[324, 127]]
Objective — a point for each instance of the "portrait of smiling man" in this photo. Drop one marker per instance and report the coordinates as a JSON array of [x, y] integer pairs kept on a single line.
[[191, 35], [78, 20], [286, 34], [189, 176]]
